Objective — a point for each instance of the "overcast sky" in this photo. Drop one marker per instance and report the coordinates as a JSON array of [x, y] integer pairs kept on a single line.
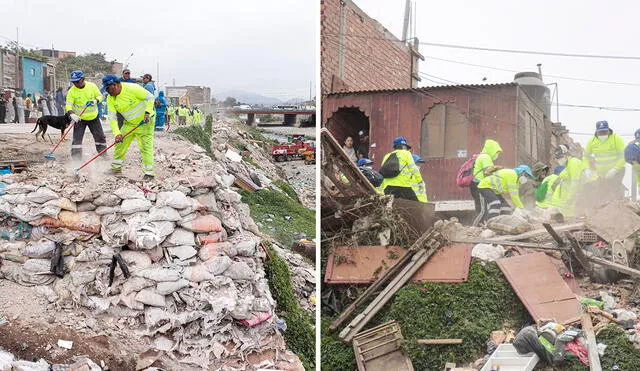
[[266, 47], [579, 27]]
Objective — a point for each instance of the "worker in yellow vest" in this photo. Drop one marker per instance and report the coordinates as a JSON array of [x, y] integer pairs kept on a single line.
[[606, 151], [570, 182], [483, 166], [418, 186], [544, 193], [492, 188], [399, 171], [84, 97], [135, 104]]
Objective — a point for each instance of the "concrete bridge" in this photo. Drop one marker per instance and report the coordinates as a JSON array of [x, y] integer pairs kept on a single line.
[[289, 114]]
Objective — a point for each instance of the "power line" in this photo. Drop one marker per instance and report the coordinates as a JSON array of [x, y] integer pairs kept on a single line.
[[617, 109], [545, 75]]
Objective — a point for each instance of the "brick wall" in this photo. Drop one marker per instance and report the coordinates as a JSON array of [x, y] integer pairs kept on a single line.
[[373, 57]]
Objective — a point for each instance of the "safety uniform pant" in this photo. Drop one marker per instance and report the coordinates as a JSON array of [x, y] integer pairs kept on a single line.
[[401, 192], [473, 189], [78, 135], [144, 137], [159, 120], [491, 205]]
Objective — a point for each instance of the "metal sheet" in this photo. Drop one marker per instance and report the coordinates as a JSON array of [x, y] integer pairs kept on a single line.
[[358, 265], [541, 289], [613, 221]]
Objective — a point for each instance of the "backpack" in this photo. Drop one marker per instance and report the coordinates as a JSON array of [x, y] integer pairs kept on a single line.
[[372, 176], [465, 173], [157, 103], [391, 167]]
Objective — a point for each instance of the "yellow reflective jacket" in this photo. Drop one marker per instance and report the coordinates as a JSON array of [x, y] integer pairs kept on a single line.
[[132, 103], [485, 159], [570, 184], [548, 199], [421, 191], [608, 154], [504, 181], [409, 172], [77, 100]]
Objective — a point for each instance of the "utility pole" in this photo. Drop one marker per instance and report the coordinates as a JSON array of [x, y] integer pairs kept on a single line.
[[17, 58], [405, 26]]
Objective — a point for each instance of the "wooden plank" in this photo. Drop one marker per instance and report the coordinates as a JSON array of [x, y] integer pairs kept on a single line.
[[615, 266], [380, 281], [536, 233], [592, 346], [529, 245], [439, 341]]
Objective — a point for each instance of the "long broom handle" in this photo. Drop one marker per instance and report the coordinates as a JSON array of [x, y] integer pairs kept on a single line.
[[68, 130], [111, 145]]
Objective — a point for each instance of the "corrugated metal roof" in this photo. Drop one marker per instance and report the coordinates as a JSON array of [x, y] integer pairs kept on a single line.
[[425, 88]]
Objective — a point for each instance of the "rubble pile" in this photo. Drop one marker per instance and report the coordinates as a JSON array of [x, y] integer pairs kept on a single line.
[[178, 260]]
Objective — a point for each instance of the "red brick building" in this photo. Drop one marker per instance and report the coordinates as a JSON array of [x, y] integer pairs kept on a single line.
[[358, 53], [445, 125]]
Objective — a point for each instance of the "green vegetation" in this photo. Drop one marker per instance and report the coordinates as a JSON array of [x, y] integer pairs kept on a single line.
[[268, 201], [468, 310], [91, 64], [286, 188], [208, 124], [196, 134], [300, 333], [620, 351], [248, 159], [258, 134], [334, 354]]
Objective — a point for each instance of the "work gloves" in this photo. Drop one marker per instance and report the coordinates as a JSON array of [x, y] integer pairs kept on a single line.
[[75, 118], [611, 173], [91, 103]]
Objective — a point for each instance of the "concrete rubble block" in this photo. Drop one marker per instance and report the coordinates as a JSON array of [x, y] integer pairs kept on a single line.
[[163, 343], [153, 316], [197, 273], [63, 203], [261, 305], [86, 206], [136, 260], [182, 252], [184, 189], [210, 250], [180, 237], [127, 193], [246, 248], [135, 284], [160, 274], [149, 296], [42, 195], [228, 180], [6, 359], [174, 199], [107, 199], [202, 182], [199, 192], [41, 365], [243, 307], [208, 201], [168, 288], [82, 277], [228, 196], [104, 210], [131, 206], [218, 264], [202, 224], [233, 156], [165, 213], [240, 271]]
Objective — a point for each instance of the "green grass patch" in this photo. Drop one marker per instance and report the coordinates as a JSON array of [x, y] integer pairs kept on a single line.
[[300, 333], [257, 134], [208, 124], [286, 188], [334, 354], [196, 134], [249, 160], [279, 204]]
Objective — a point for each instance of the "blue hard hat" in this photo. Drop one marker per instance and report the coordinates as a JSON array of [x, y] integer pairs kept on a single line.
[[364, 161], [400, 141], [558, 169], [76, 76], [632, 153], [417, 159], [637, 134], [602, 126], [523, 169], [109, 79]]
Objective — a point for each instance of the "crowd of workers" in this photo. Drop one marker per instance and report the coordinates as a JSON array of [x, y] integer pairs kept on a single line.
[[574, 184]]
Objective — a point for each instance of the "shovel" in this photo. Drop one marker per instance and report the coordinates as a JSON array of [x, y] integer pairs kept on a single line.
[[111, 145], [50, 156]]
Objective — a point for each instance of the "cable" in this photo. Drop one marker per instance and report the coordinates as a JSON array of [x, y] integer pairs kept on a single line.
[[617, 109]]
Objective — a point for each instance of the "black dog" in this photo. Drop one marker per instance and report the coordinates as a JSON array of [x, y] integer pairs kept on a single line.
[[58, 122]]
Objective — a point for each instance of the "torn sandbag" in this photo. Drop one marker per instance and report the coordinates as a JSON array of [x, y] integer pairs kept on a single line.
[[180, 237], [210, 250], [131, 206], [18, 188], [165, 213], [169, 287], [239, 271], [85, 206], [192, 208], [41, 249], [107, 199], [28, 213], [205, 239], [86, 221], [246, 248], [150, 235], [128, 193], [202, 182], [63, 203], [208, 201], [182, 252], [114, 231], [508, 224], [149, 296], [197, 273], [174, 199], [136, 260], [15, 199], [42, 195], [104, 210], [135, 284], [202, 224], [159, 274], [218, 264]]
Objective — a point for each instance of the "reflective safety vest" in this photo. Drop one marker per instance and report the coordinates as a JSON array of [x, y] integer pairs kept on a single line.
[[409, 172], [545, 186], [503, 181], [485, 159], [608, 154], [77, 100], [132, 103], [421, 191], [571, 184]]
